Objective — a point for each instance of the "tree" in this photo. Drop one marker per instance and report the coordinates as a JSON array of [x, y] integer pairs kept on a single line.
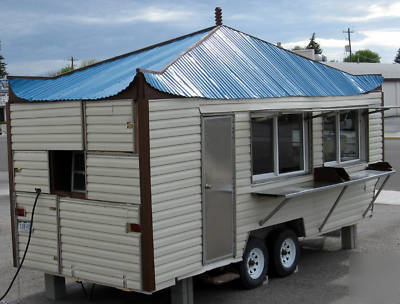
[[314, 45], [364, 56], [3, 72], [68, 68], [297, 48], [397, 58]]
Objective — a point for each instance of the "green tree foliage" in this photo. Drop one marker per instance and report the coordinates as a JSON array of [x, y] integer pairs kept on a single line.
[[314, 45], [68, 68], [297, 48], [397, 58], [364, 56], [88, 62], [3, 72]]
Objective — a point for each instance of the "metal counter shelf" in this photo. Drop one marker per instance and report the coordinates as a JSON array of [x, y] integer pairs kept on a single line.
[[296, 190]]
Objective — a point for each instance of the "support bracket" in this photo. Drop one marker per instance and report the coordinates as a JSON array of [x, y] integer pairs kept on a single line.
[[376, 195], [272, 213], [332, 208]]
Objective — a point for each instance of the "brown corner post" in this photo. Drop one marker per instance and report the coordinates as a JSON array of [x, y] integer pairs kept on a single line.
[[11, 185], [383, 124], [146, 217]]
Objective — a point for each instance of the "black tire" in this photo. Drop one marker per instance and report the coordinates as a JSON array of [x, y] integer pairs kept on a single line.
[[253, 269], [285, 247]]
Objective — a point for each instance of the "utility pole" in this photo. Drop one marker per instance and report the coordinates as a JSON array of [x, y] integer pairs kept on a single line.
[[72, 62], [348, 32]]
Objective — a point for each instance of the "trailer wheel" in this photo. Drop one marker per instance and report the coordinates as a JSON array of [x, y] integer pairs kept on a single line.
[[254, 266], [285, 253]]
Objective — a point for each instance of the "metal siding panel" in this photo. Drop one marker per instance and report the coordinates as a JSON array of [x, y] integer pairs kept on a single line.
[[176, 179], [96, 245], [58, 128], [43, 251], [106, 125], [32, 171], [113, 178]]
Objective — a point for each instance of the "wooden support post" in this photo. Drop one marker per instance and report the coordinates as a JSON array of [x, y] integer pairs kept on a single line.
[[182, 292], [349, 237], [54, 287]]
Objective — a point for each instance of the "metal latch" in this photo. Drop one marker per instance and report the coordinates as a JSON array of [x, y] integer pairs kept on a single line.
[[130, 124], [207, 186]]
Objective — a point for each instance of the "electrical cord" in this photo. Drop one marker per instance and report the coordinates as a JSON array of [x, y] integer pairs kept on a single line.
[[38, 191]]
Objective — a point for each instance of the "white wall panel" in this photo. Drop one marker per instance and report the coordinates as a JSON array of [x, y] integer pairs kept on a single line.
[[113, 178], [107, 126], [47, 126]]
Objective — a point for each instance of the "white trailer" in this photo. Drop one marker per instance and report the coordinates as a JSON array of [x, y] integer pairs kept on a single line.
[[150, 178]]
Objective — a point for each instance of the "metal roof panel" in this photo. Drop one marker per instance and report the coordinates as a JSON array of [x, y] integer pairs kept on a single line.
[[102, 80], [219, 63], [233, 65]]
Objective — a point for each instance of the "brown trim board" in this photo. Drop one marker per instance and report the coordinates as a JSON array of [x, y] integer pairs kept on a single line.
[[11, 186], [383, 124], [146, 216]]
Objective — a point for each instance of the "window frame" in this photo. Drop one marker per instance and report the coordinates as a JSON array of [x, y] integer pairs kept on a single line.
[[362, 138], [306, 142]]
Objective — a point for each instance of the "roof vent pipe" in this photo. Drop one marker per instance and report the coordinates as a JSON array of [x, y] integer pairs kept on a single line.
[[218, 16]]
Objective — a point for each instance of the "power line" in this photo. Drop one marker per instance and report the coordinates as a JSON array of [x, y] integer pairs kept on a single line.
[[348, 32]]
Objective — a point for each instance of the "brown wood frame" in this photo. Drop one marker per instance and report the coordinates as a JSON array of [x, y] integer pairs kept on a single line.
[[11, 187], [146, 216], [383, 124]]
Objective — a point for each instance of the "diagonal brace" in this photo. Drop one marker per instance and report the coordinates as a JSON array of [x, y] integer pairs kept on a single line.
[[376, 196], [272, 213], [332, 208]]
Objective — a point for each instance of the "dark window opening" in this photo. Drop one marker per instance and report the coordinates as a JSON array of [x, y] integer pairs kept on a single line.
[[67, 172], [2, 115]]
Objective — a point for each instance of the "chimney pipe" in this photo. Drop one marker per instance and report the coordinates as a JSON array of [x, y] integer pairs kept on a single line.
[[218, 16]]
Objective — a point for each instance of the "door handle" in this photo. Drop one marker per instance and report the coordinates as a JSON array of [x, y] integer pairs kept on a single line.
[[207, 186]]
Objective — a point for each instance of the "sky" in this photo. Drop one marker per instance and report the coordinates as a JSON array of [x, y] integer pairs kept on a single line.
[[38, 37]]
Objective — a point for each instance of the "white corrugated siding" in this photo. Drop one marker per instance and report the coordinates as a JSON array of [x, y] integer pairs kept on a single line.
[[312, 208], [375, 137], [43, 249], [107, 125], [176, 189], [175, 186], [55, 126], [31, 171], [96, 245], [113, 178]]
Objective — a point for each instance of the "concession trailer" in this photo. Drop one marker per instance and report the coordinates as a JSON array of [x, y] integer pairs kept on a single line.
[[212, 149]]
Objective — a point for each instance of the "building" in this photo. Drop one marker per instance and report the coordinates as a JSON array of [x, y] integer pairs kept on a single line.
[[391, 83], [3, 97]]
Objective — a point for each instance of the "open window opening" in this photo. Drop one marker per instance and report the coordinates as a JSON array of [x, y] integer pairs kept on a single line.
[[67, 173]]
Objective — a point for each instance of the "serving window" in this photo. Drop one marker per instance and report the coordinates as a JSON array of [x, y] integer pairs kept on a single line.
[[344, 138], [279, 145]]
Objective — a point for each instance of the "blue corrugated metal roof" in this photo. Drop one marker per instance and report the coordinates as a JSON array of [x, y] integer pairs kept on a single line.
[[231, 64], [102, 80], [226, 64]]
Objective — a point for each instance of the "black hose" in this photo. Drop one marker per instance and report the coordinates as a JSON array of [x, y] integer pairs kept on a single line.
[[38, 191]]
